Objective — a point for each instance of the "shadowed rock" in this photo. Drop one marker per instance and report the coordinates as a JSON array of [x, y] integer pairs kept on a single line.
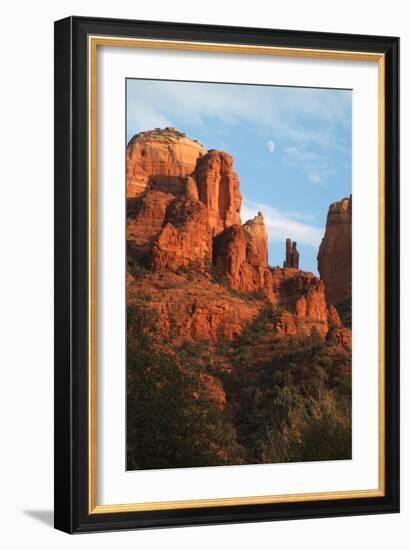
[[335, 252]]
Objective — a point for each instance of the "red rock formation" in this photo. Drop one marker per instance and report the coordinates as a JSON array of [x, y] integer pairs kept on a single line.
[[333, 317], [301, 295], [160, 159], [218, 188], [185, 239], [292, 255], [311, 303], [335, 252], [286, 324], [184, 215], [229, 255], [257, 241], [240, 258], [295, 255], [343, 336], [160, 187], [145, 217], [146, 213], [240, 254], [288, 260], [298, 291], [195, 309]]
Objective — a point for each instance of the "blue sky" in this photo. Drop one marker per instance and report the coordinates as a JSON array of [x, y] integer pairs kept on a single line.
[[291, 147]]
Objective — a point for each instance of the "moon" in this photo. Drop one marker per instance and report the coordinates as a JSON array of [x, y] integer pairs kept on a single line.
[[271, 146]]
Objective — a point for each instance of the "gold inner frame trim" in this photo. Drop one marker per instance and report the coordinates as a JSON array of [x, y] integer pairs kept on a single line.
[[93, 42]]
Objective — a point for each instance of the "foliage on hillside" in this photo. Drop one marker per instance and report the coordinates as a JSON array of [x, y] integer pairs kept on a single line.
[[288, 398], [172, 420]]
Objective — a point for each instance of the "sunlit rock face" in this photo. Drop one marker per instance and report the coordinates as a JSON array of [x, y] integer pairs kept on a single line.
[[160, 159], [218, 188], [207, 273], [335, 252]]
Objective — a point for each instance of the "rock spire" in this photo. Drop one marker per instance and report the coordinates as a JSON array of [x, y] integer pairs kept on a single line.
[[292, 255]]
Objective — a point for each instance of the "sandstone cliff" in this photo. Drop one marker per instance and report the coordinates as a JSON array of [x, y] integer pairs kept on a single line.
[[192, 307], [335, 252], [185, 238], [240, 255], [160, 159], [206, 272], [218, 188], [178, 194]]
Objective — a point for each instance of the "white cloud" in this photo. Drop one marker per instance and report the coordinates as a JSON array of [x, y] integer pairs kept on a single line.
[[287, 111], [281, 225], [309, 122], [315, 166], [271, 146], [146, 117], [300, 216]]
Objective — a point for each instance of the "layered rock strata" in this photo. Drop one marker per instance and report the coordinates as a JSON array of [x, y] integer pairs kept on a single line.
[[207, 273], [218, 189], [160, 159]]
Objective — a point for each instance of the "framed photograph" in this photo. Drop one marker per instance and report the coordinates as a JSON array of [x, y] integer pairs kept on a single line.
[[226, 274]]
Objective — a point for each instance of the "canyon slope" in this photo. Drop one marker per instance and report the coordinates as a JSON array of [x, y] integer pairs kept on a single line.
[[207, 273]]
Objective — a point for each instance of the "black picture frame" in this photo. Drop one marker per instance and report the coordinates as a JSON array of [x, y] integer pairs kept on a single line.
[[72, 276]]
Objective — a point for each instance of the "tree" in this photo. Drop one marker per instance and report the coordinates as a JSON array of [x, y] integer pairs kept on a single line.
[[172, 420], [297, 405]]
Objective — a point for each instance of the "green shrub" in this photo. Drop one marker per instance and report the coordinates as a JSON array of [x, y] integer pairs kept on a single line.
[[297, 405], [293, 406], [172, 419], [136, 268]]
